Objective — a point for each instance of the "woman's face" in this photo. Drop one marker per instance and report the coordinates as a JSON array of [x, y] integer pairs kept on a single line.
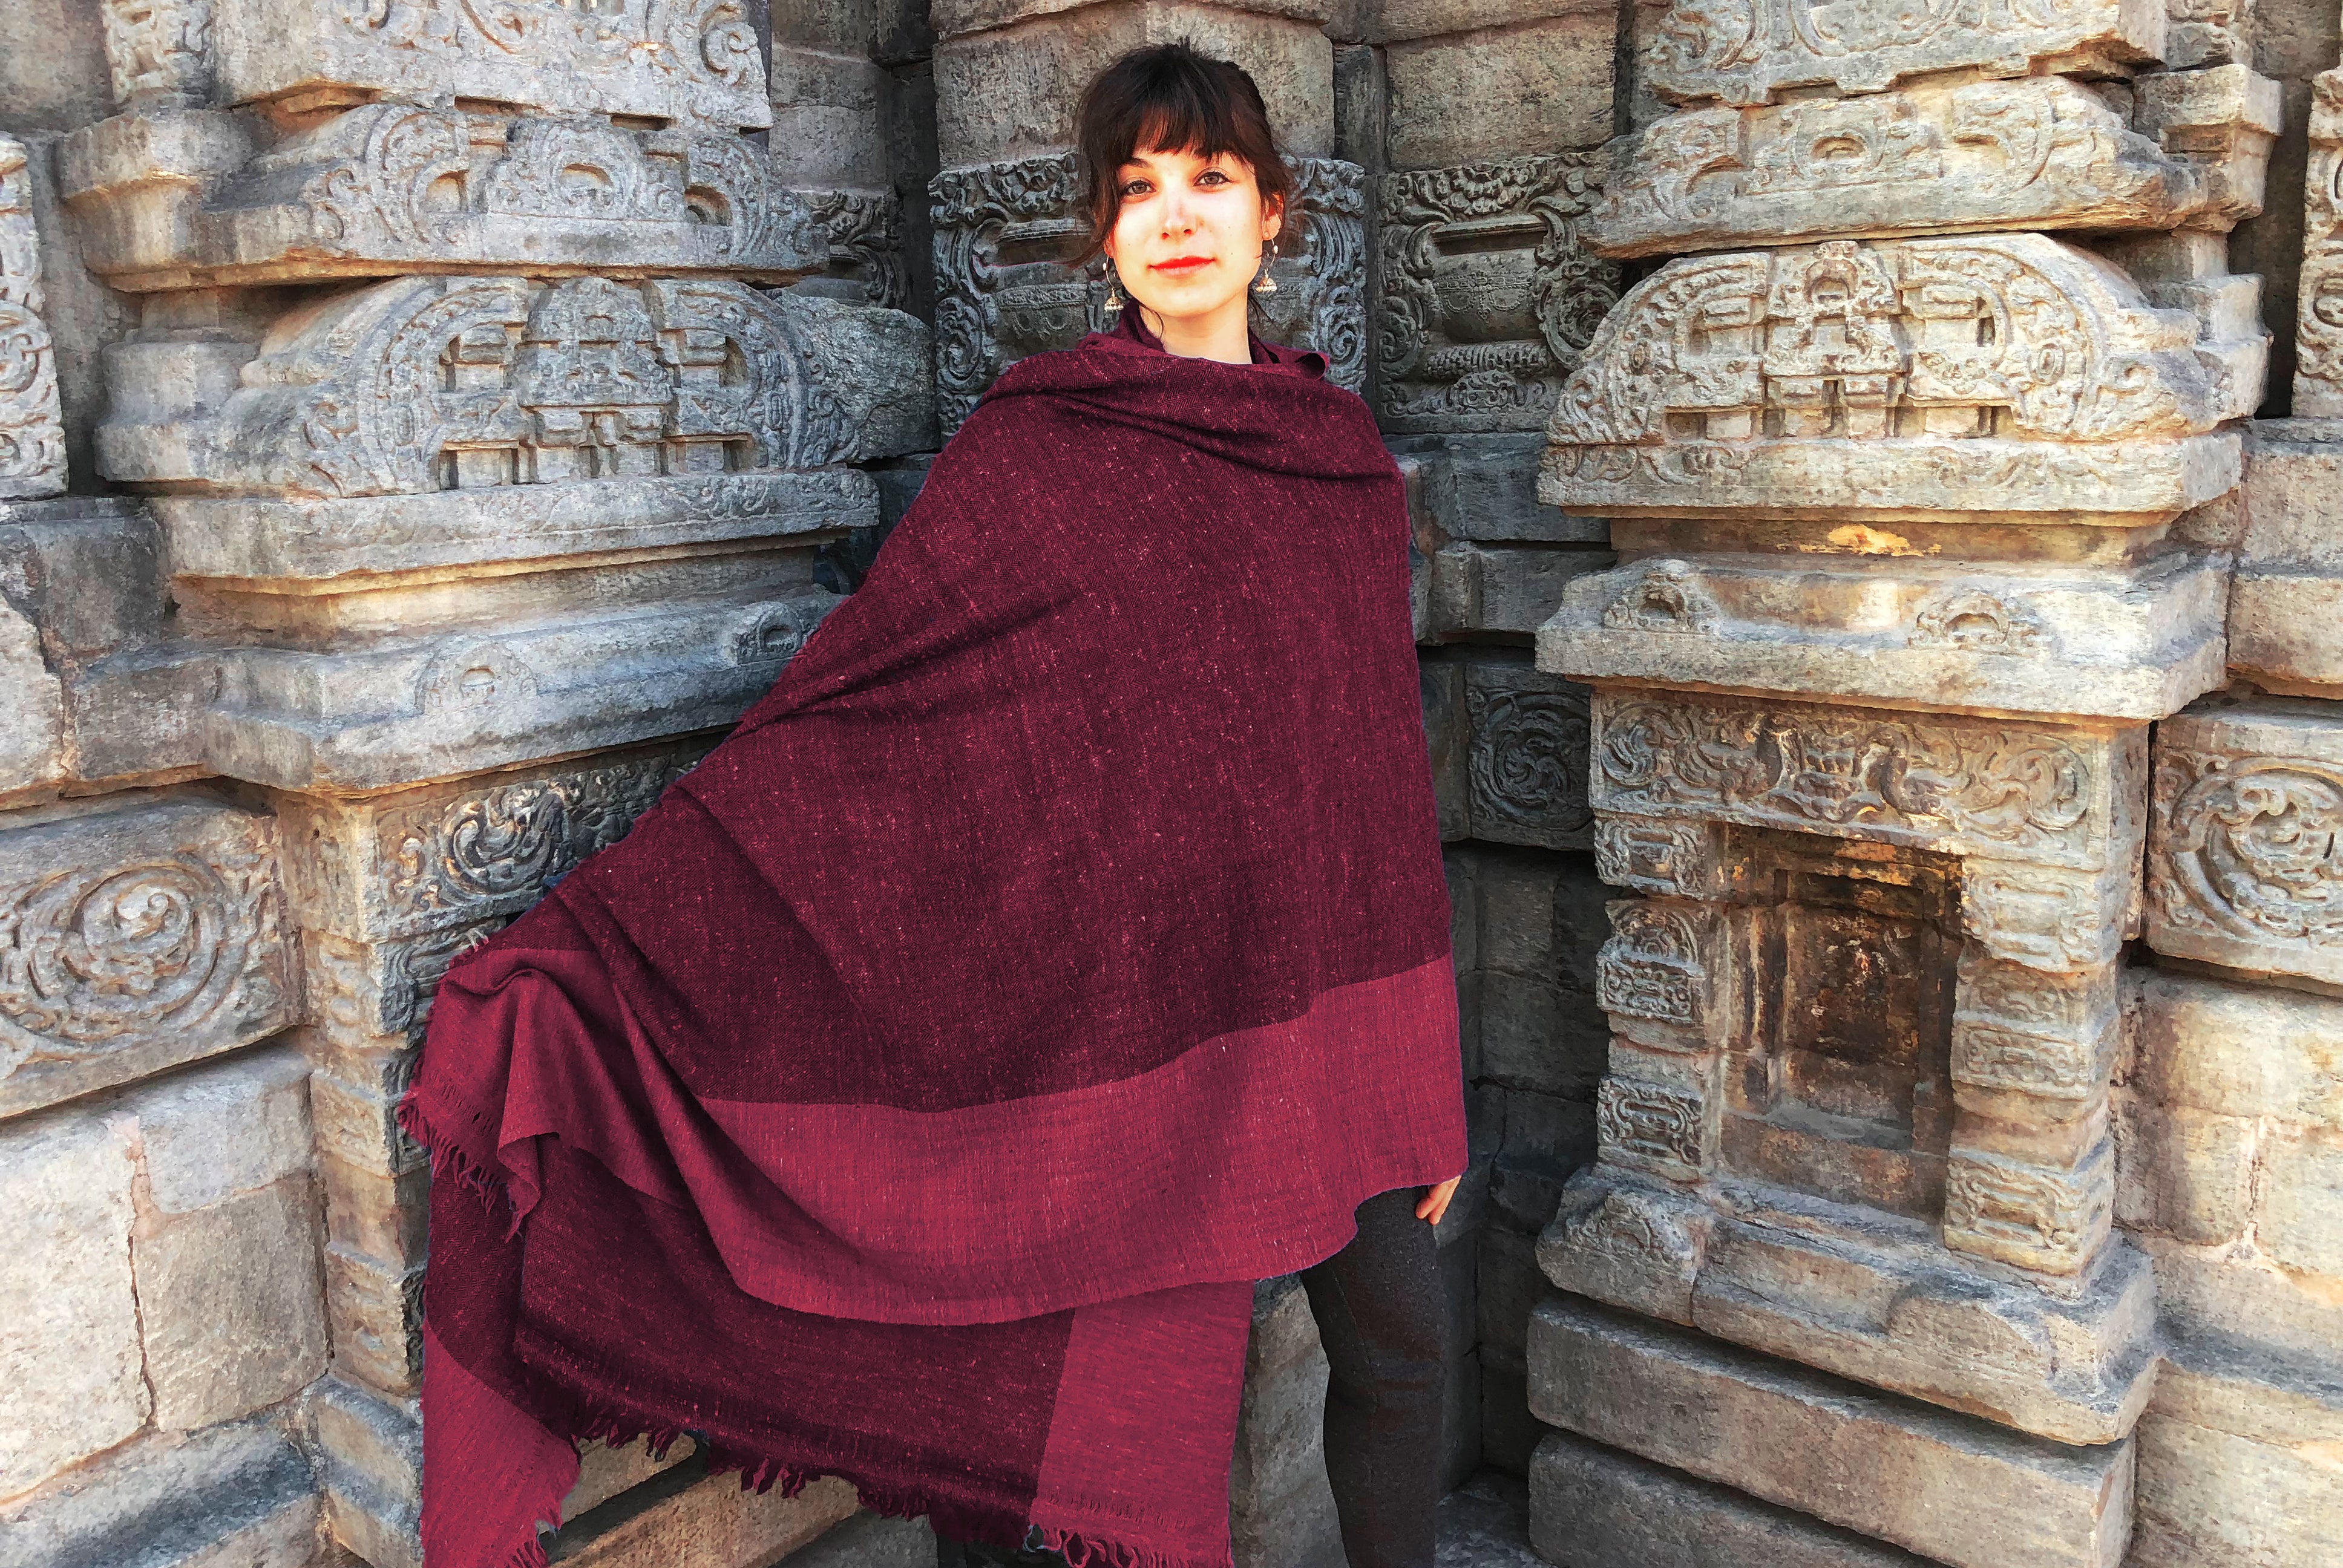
[[1188, 236]]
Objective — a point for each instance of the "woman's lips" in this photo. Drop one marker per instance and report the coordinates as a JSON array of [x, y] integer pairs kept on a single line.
[[1184, 264]]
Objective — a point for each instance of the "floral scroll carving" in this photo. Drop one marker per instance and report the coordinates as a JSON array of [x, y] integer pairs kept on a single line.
[[2248, 847], [1526, 760], [31, 434]]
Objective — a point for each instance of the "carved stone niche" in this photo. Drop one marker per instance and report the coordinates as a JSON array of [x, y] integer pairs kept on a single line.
[[32, 435], [2041, 152], [432, 385], [1003, 290], [2243, 869], [1902, 381], [1847, 1123], [1747, 51], [1487, 298], [135, 935], [2133, 639], [699, 63], [174, 199]]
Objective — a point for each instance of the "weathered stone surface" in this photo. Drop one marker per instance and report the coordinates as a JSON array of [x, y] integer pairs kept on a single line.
[[2132, 642], [1281, 1508], [1487, 298], [31, 434], [868, 1540], [2236, 1464], [699, 62], [1851, 382], [690, 1519], [2318, 324], [71, 1380], [1472, 589], [1007, 92], [2287, 589], [2244, 794], [185, 199], [1949, 1488], [2040, 152], [1482, 488], [1003, 291], [370, 1470], [238, 1494], [429, 384], [1747, 52], [1526, 736], [222, 1129], [139, 935], [1863, 1296], [229, 1309], [2243, 1052], [1596, 1507], [1534, 87]]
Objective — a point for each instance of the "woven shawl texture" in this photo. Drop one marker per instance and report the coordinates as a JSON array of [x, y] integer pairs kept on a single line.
[[1059, 947]]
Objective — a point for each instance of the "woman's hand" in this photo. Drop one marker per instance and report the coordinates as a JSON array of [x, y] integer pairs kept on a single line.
[[1435, 1199]]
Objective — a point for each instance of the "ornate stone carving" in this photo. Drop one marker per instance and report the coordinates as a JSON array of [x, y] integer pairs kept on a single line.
[[864, 230], [1525, 759], [158, 49], [2319, 313], [1652, 966], [132, 940], [1653, 1127], [2246, 859], [699, 62], [1487, 298], [1954, 784], [1663, 595], [2049, 918], [1002, 292], [31, 438], [2052, 1038], [1667, 859], [1745, 51], [1973, 621], [2028, 1215], [2002, 373], [392, 187], [429, 384], [2042, 152]]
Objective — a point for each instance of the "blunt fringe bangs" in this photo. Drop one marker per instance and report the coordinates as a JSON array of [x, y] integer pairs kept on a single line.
[[1170, 96]]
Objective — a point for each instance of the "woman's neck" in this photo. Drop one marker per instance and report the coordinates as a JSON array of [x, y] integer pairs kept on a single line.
[[1222, 334]]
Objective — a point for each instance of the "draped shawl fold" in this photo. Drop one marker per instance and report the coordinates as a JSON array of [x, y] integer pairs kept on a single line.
[[1059, 947]]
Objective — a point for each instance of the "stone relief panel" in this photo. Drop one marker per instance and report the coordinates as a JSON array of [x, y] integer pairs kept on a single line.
[[179, 201], [2242, 866], [1488, 299], [1003, 291], [696, 62], [2041, 152], [2136, 641], [1747, 51], [1525, 757], [1959, 786], [863, 231], [2318, 321], [158, 50], [1898, 380], [2017, 1031], [32, 435], [2053, 1221], [430, 384], [133, 938]]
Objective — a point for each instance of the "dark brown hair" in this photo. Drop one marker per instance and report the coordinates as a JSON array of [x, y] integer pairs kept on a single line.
[[1170, 97]]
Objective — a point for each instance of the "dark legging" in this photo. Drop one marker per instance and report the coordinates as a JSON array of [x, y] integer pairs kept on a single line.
[[1382, 1313]]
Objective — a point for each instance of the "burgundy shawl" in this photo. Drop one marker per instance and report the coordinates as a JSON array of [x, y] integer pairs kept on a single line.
[[1059, 947]]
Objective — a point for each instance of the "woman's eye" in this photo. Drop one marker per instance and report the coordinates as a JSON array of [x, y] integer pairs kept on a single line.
[[1214, 175], [1135, 187]]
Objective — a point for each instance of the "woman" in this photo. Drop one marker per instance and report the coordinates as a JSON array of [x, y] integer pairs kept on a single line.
[[1060, 946]]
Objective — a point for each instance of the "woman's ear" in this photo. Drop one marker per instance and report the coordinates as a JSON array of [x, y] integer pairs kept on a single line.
[[1272, 216]]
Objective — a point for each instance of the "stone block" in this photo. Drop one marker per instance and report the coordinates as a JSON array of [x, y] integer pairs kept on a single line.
[[1004, 228], [2318, 323], [145, 933], [2300, 1211], [694, 62], [1509, 1284], [1865, 1296], [370, 1469], [1692, 54], [1487, 299], [1525, 739], [1596, 1507], [1532, 88], [2193, 151], [2241, 1295], [868, 1540], [1008, 91], [553, 383], [1472, 588], [1947, 1487], [229, 1309], [2183, 1172], [1442, 682], [219, 1129], [1546, 1138], [1483, 488], [32, 429], [374, 1315], [2242, 792], [688, 1517], [2234, 1050], [179, 199], [238, 1494], [1508, 1432], [2289, 585], [71, 1377], [2138, 642], [1280, 1509], [2236, 1465], [1398, 21], [1754, 420]]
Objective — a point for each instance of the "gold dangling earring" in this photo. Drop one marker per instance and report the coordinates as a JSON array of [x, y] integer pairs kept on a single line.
[[1265, 283]]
